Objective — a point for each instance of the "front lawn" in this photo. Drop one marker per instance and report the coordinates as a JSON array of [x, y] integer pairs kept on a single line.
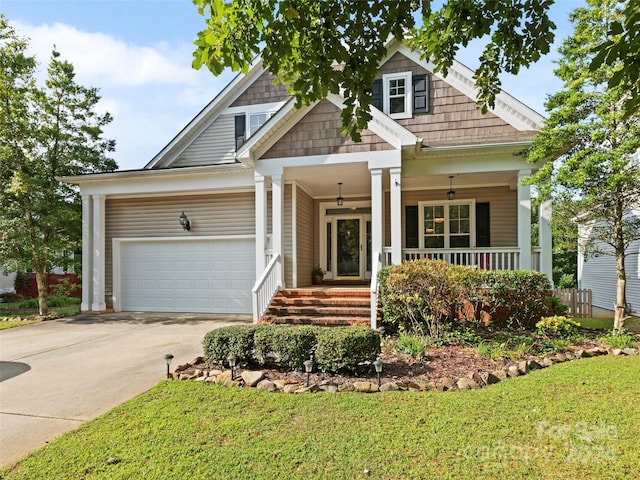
[[25, 312], [631, 324], [573, 420]]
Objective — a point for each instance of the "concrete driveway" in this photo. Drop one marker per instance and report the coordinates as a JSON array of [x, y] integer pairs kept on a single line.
[[58, 374]]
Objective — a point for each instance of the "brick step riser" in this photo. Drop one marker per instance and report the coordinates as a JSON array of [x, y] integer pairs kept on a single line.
[[323, 294], [338, 312], [333, 302], [321, 321]]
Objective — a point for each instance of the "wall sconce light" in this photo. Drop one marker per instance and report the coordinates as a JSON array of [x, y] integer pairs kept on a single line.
[[167, 358], [308, 366], [339, 200], [378, 366], [184, 221], [451, 194], [233, 360]]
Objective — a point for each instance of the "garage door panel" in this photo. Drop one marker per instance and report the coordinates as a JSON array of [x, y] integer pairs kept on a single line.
[[213, 276]]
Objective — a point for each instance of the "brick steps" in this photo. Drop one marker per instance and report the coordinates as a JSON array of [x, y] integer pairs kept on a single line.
[[332, 306]]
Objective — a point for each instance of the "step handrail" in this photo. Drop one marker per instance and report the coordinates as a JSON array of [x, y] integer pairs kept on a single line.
[[266, 287]]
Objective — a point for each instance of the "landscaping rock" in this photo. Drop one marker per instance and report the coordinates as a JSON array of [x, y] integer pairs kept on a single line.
[[252, 377], [630, 351], [389, 387], [616, 351], [478, 377], [595, 352], [447, 383], [346, 387], [329, 387], [182, 368], [267, 385], [197, 361], [533, 365], [560, 357], [547, 362], [313, 388], [224, 376], [513, 371], [569, 356], [578, 353], [466, 383], [523, 368], [232, 383], [292, 387], [365, 387], [214, 373], [415, 387], [184, 376], [488, 378]]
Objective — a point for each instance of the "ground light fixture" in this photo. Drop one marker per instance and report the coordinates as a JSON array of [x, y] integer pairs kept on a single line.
[[451, 194], [378, 366], [233, 361], [339, 199], [167, 358], [308, 367], [184, 221]]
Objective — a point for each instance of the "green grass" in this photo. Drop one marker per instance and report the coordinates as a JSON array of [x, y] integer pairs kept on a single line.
[[574, 420], [15, 323], [631, 324], [59, 306]]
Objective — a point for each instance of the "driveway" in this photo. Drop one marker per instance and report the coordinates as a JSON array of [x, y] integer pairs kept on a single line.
[[58, 374]]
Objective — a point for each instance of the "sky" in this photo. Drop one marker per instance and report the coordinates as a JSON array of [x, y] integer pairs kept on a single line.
[[138, 54]]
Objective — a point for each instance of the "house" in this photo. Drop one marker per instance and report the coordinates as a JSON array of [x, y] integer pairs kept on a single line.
[[253, 193], [598, 272]]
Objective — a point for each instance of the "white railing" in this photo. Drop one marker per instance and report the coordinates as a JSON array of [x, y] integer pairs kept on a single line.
[[375, 268], [505, 258], [535, 259], [266, 287]]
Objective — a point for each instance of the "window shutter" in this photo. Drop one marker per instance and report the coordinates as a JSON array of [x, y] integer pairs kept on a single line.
[[411, 226], [377, 94], [241, 125], [483, 225], [420, 94]]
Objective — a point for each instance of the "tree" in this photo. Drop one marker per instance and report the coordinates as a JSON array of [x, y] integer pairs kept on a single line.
[[45, 133], [317, 47], [593, 140]]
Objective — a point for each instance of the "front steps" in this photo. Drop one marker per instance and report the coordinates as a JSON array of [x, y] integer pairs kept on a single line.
[[326, 306]]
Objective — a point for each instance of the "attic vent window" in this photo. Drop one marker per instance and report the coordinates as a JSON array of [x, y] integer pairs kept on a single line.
[[397, 95]]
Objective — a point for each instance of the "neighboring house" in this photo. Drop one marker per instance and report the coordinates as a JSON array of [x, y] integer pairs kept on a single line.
[[259, 182], [7, 281]]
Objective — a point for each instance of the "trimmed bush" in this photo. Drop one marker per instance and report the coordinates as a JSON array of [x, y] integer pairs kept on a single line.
[[558, 326], [344, 348], [236, 340], [284, 345]]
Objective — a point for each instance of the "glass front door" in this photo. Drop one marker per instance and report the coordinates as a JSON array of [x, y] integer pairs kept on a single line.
[[348, 247]]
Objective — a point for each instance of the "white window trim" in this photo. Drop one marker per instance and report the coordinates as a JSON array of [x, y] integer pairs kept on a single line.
[[248, 132], [408, 99], [447, 203]]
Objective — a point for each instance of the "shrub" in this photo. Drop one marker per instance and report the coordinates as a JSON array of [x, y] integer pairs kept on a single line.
[[284, 345], [558, 307], [557, 326], [619, 340], [344, 348], [411, 344], [235, 340]]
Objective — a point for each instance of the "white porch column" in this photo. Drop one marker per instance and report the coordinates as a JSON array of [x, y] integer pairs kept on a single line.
[[545, 239], [261, 224], [98, 240], [277, 217], [524, 221], [377, 227], [87, 253], [396, 215]]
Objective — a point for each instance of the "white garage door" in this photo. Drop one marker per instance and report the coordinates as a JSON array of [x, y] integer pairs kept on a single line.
[[208, 276]]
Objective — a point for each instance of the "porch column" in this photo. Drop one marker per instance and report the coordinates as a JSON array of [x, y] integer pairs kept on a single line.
[[277, 216], [544, 234], [261, 224], [377, 228], [524, 220], [396, 215], [98, 240], [87, 253]]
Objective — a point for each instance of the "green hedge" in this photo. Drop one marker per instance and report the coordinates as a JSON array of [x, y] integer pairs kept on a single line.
[[333, 348], [425, 295]]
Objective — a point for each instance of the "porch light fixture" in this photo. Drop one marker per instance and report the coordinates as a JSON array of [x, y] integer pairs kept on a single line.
[[308, 366], [167, 358], [184, 221], [378, 366], [339, 200], [451, 194], [233, 361]]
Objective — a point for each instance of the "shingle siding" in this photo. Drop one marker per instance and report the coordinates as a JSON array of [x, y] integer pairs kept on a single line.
[[305, 233], [262, 91]]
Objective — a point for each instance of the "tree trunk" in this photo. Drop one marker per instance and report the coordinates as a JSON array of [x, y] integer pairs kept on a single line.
[[621, 298], [41, 281]]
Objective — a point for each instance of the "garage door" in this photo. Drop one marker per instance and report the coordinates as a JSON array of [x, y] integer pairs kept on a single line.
[[208, 276]]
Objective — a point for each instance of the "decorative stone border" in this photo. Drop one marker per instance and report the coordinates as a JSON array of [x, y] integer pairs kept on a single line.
[[473, 381]]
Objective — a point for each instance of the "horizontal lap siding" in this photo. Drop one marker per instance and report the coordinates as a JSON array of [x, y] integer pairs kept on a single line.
[[318, 133], [305, 235], [210, 215], [215, 145], [503, 210]]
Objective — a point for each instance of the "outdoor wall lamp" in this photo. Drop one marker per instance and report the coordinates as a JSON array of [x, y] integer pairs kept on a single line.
[[184, 221], [308, 367], [167, 358], [233, 361], [339, 200], [451, 194], [378, 366]]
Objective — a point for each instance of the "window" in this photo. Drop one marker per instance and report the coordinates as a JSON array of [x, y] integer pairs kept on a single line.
[[255, 121], [248, 124], [448, 225], [397, 99]]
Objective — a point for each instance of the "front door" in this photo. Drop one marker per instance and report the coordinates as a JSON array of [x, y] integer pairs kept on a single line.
[[348, 247]]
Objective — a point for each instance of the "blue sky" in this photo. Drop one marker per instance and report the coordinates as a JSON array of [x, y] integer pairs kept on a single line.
[[138, 53]]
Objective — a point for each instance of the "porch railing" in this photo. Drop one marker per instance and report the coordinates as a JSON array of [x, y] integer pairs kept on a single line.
[[503, 258], [266, 287]]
